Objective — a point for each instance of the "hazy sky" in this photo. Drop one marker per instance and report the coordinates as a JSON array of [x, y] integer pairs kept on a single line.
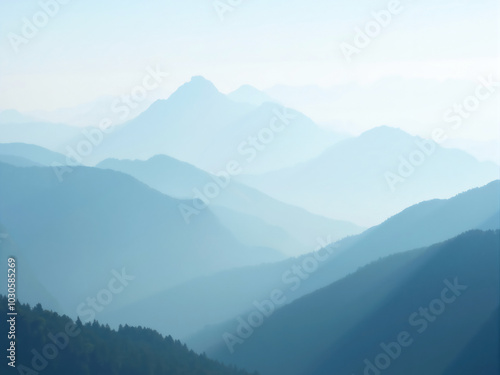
[[95, 48]]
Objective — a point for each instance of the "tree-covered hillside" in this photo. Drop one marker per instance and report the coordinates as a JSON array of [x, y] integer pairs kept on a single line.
[[52, 344]]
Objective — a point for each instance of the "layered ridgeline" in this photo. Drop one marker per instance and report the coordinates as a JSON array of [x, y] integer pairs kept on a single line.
[[51, 343], [250, 95], [52, 136], [428, 311], [204, 127], [371, 177], [78, 234], [196, 124], [253, 217], [31, 155], [185, 309], [11, 116]]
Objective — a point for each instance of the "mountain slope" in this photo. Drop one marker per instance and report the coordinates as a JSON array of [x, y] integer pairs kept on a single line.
[[370, 178], [18, 161], [51, 136], [250, 95], [342, 329], [180, 180], [269, 138], [199, 125], [95, 349], [254, 231], [416, 227], [99, 221], [480, 355], [199, 305], [196, 124], [179, 126], [37, 154]]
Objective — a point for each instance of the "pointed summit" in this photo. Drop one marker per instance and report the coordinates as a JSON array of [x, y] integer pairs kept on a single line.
[[197, 88], [198, 93]]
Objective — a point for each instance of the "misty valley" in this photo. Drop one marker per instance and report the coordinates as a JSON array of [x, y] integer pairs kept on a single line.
[[249, 188]]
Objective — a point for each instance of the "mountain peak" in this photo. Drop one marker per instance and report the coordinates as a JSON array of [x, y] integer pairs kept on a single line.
[[200, 79], [250, 95], [200, 83], [197, 88], [385, 131]]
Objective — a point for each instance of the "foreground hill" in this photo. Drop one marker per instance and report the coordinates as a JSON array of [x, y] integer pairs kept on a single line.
[[412, 313], [96, 349], [480, 355]]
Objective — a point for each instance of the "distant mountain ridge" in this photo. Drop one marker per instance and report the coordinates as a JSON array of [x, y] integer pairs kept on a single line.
[[36, 154], [54, 137], [371, 177], [251, 95], [299, 229], [197, 124]]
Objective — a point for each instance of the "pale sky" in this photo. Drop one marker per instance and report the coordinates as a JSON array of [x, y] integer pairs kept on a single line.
[[91, 48]]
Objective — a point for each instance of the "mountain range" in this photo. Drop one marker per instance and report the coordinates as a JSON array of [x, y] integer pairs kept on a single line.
[[261, 239], [252, 216], [198, 312], [387, 317], [32, 154], [102, 220], [382, 171], [250, 95], [218, 128]]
